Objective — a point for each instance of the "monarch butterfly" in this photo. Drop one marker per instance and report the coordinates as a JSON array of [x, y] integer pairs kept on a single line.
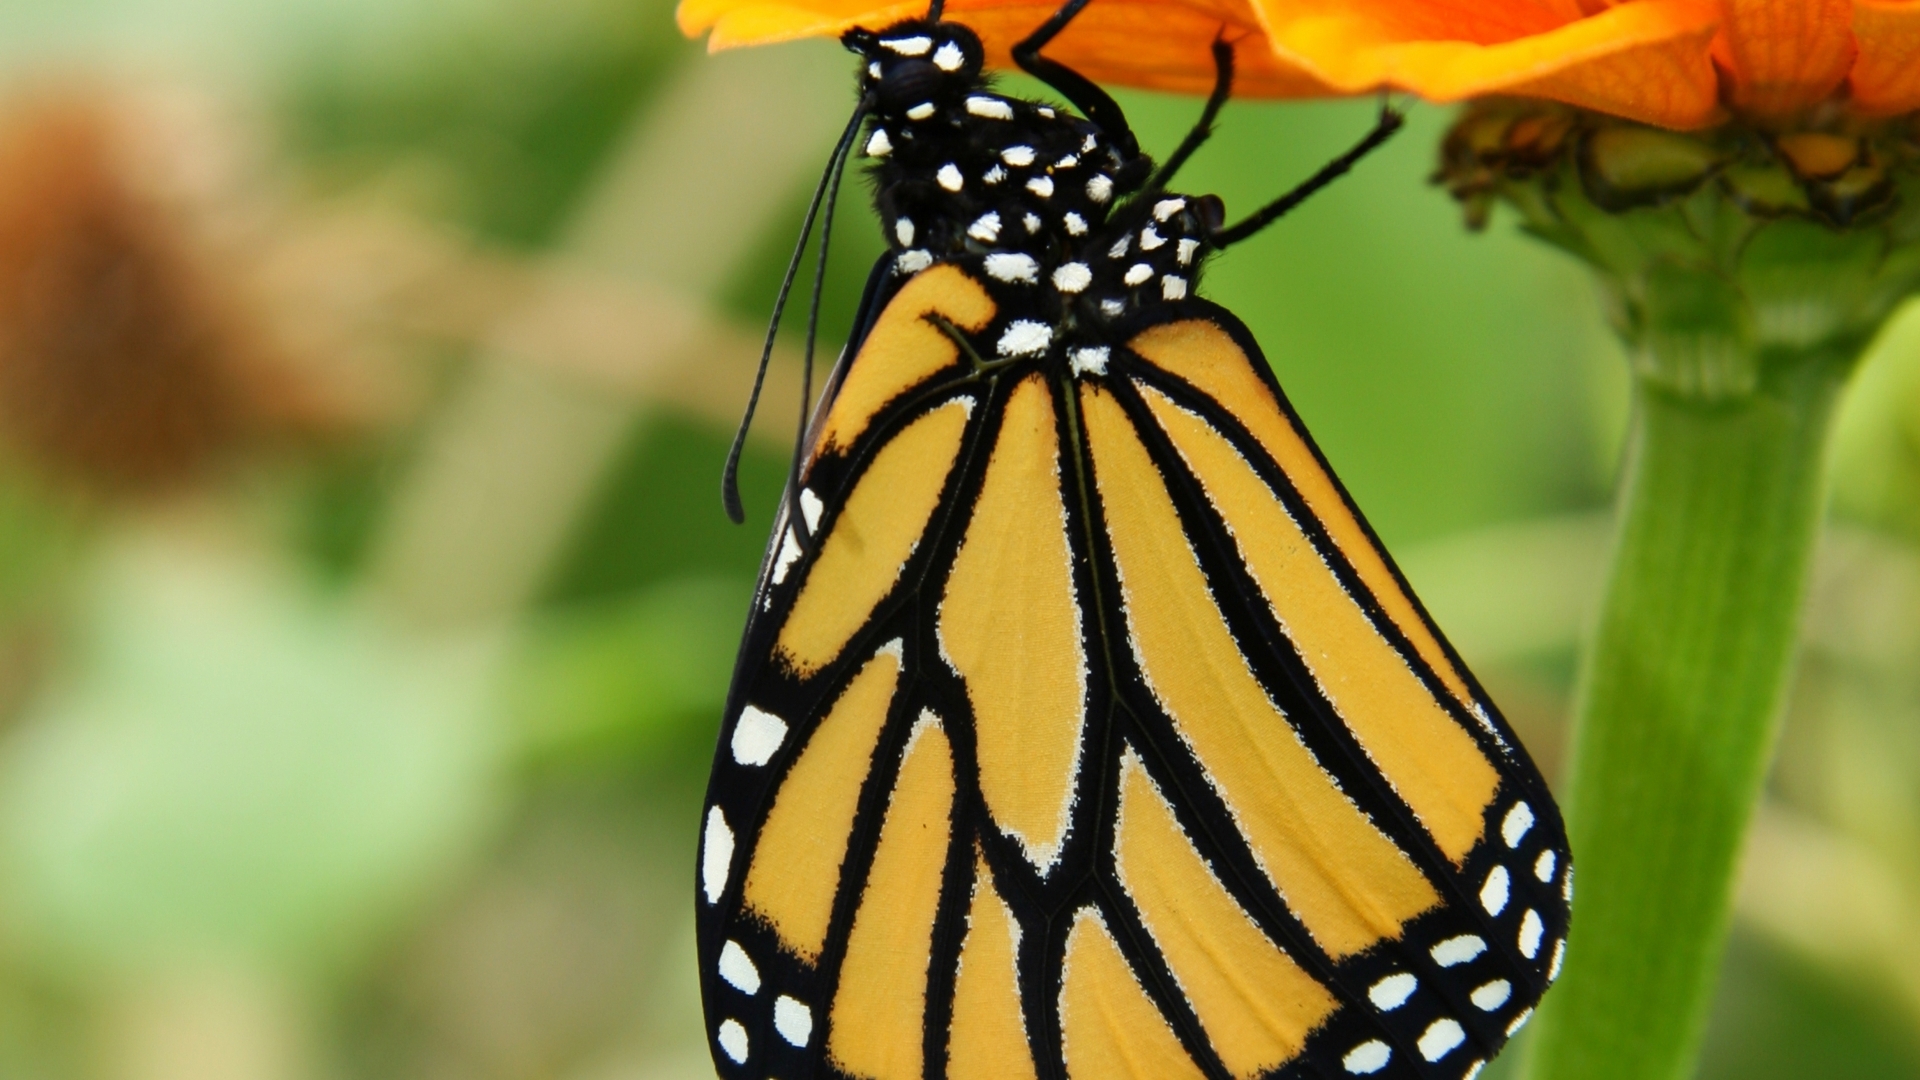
[[1082, 728]]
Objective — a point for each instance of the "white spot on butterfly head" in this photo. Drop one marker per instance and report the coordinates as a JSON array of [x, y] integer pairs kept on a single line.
[[1100, 188], [1493, 894], [1076, 225], [1137, 274], [1531, 928], [1187, 246], [879, 144], [1173, 287], [989, 108], [1458, 950], [949, 177], [1041, 186], [793, 1020], [733, 1041], [1369, 1057], [986, 227], [757, 736], [903, 232], [1013, 267], [1089, 360], [1490, 996], [1024, 337], [908, 46], [1393, 991], [716, 855], [948, 57], [737, 968], [912, 262], [920, 111], [1072, 277], [1166, 208], [1017, 156], [1545, 865], [1440, 1038], [1149, 239], [1518, 821]]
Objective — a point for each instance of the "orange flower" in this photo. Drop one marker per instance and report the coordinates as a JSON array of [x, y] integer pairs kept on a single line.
[[1660, 61]]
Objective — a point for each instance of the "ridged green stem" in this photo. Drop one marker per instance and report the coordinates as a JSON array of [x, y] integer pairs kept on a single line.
[[1678, 708]]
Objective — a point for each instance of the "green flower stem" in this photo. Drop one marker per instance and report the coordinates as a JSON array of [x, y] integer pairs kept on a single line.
[[1678, 710]]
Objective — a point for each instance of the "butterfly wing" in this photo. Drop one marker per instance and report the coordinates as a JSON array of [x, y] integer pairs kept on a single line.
[[1096, 737]]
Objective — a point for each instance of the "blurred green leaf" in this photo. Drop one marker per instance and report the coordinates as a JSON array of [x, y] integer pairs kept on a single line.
[[232, 769]]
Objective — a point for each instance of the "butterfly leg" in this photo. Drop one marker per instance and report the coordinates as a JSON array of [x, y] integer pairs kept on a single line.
[[1390, 121], [1094, 103], [1222, 89]]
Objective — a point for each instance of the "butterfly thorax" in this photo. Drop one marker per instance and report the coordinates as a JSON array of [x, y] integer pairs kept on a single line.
[[1038, 203]]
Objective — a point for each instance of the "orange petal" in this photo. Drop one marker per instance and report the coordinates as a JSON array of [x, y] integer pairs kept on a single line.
[[1155, 44], [1886, 77], [1647, 60], [1784, 55]]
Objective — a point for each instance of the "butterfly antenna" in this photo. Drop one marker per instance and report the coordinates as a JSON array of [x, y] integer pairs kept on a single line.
[[802, 531], [829, 179]]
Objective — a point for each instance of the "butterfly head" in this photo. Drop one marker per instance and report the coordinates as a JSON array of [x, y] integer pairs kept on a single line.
[[916, 66]]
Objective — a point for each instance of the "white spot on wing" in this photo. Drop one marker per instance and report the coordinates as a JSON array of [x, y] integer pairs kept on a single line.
[[1559, 956], [1011, 266], [1137, 274], [1473, 1070], [1018, 156], [757, 736], [1393, 991], [948, 57], [733, 1041], [990, 108], [737, 968], [1091, 359], [1041, 186], [1518, 1023], [1369, 1057], [716, 855], [789, 548], [1493, 895], [1067, 162], [1518, 821], [993, 175], [1031, 221], [878, 144], [1545, 865], [949, 177], [1440, 1038], [1072, 277], [1112, 307], [1119, 248], [912, 262], [1530, 930], [986, 227], [1490, 996], [1024, 337], [908, 46], [1458, 950], [1076, 225], [793, 1020], [1150, 239]]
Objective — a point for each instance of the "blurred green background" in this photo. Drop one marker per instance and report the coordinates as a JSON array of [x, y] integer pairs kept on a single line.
[[366, 605]]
